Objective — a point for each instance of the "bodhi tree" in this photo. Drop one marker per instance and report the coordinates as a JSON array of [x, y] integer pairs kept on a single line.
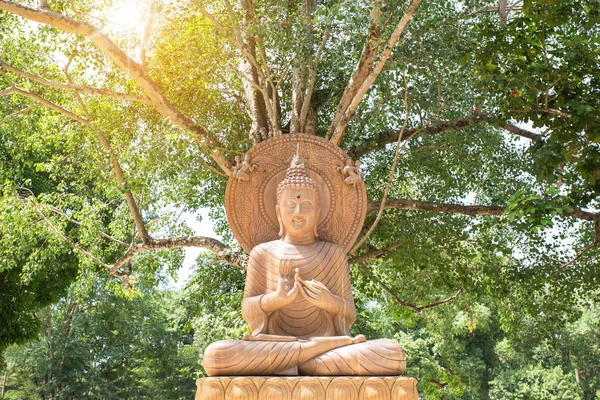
[[476, 123]]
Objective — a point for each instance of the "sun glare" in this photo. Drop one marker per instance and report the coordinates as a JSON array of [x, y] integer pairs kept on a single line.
[[126, 16]]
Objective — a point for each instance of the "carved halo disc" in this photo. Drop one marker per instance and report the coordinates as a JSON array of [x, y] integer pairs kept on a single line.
[[250, 204]]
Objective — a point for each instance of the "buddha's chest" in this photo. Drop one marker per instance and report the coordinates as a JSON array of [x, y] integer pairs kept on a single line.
[[306, 269]]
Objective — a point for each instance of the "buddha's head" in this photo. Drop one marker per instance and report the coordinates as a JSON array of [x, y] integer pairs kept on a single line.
[[297, 204]]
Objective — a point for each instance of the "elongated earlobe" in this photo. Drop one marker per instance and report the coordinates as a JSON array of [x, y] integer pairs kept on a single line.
[[316, 223], [281, 228]]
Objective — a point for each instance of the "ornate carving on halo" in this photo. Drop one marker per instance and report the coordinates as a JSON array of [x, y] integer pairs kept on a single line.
[[351, 171], [250, 203], [242, 169], [307, 388]]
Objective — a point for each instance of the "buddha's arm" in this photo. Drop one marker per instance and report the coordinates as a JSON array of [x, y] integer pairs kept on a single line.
[[345, 317], [257, 303], [255, 288]]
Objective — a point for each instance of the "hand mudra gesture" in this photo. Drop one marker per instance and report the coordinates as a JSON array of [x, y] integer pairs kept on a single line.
[[287, 286], [316, 293]]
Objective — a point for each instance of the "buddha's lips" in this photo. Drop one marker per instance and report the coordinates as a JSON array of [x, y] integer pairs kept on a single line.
[[298, 220]]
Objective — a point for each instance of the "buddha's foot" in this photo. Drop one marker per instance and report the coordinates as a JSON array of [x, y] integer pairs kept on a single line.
[[320, 356], [375, 357], [359, 339]]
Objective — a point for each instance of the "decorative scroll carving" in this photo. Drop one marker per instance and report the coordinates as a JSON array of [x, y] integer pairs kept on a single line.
[[351, 171], [242, 169]]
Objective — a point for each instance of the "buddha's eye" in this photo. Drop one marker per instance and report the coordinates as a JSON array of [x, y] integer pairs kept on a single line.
[[306, 204], [290, 204]]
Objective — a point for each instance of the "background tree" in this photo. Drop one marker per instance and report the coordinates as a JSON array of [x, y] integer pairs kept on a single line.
[[476, 123], [98, 344]]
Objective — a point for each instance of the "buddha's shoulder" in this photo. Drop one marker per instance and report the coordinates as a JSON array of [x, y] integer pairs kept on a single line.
[[279, 247], [267, 246]]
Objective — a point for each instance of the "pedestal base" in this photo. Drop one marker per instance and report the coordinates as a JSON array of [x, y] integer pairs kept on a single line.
[[307, 388]]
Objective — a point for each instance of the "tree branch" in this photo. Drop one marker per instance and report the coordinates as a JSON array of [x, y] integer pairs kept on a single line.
[[335, 132], [16, 113], [380, 140], [362, 69], [587, 248], [66, 239], [120, 176], [71, 220], [417, 205], [418, 309], [270, 99], [438, 384], [520, 132], [399, 146], [221, 251], [120, 59], [376, 253], [502, 12], [403, 303], [146, 32], [47, 103], [311, 82], [257, 96], [439, 303], [77, 88]]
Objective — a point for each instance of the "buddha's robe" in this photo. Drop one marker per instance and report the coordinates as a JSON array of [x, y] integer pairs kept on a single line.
[[280, 341]]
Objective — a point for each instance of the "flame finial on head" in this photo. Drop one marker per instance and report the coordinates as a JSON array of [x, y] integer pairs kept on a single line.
[[296, 176], [297, 160]]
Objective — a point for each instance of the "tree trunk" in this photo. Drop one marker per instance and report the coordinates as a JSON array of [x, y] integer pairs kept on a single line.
[[298, 83], [259, 130], [4, 382], [502, 12], [300, 80]]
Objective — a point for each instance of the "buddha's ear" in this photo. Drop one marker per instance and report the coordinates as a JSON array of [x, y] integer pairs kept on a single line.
[[281, 228], [316, 233]]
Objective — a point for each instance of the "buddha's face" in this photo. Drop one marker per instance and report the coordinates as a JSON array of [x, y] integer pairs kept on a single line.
[[297, 212]]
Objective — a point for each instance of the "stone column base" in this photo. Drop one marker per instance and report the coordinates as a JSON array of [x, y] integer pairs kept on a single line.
[[307, 388]]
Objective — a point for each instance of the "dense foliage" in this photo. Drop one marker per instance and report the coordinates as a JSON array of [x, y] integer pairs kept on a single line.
[[484, 264], [97, 344]]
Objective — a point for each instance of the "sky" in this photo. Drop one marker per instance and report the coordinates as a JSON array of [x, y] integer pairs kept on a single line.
[[201, 228]]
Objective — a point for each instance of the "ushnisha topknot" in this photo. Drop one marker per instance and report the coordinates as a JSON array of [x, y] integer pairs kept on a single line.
[[296, 177]]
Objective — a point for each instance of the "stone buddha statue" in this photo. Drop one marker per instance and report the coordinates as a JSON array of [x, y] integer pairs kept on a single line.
[[298, 302]]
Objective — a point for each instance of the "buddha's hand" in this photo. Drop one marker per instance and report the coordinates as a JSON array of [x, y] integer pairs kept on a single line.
[[319, 295], [287, 286]]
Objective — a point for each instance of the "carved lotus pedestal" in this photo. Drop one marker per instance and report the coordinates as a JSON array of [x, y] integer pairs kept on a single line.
[[307, 388]]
